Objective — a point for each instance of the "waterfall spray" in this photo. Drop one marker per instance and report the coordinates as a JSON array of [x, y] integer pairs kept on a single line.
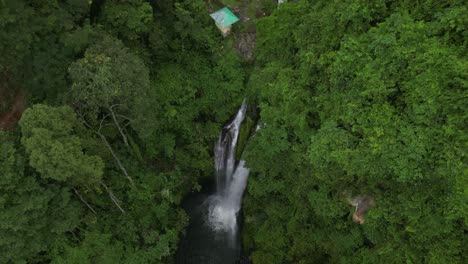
[[231, 178]]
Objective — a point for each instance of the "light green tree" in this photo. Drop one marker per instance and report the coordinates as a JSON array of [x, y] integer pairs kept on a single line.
[[53, 148], [36, 213]]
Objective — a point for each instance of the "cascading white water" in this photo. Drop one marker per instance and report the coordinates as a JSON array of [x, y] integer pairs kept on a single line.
[[231, 178]]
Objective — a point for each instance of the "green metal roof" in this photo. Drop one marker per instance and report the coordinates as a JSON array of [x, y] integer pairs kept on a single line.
[[224, 17]]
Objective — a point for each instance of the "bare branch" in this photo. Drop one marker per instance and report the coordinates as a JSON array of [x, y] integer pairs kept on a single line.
[[113, 198], [84, 121], [87, 187], [100, 123], [114, 117], [117, 160], [76, 238], [103, 138], [115, 105], [84, 201], [106, 125], [82, 229], [124, 117]]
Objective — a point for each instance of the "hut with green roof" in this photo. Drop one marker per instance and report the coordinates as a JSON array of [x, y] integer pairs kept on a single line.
[[224, 19]]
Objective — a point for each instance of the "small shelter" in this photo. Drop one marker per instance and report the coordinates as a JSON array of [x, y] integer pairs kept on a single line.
[[224, 19]]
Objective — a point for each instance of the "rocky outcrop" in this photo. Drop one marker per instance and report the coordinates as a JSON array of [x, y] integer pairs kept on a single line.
[[362, 204]]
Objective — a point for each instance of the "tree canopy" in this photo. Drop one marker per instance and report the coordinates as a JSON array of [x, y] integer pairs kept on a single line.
[[359, 151], [359, 98]]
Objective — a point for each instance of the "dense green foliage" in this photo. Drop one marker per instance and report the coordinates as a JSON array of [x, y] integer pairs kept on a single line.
[[359, 97], [124, 106], [125, 99]]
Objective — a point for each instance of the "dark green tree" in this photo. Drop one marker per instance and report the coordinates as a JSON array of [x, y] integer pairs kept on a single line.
[[54, 151], [36, 214], [365, 105]]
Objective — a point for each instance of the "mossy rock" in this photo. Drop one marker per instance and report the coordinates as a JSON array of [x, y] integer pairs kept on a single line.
[[244, 134]]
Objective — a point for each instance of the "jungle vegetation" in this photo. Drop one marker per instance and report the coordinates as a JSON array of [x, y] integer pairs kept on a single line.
[[109, 111]]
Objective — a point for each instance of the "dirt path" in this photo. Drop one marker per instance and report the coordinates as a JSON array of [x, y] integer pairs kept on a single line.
[[12, 102], [9, 119], [246, 37]]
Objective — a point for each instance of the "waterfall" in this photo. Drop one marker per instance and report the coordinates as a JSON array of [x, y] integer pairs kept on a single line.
[[213, 232], [231, 178]]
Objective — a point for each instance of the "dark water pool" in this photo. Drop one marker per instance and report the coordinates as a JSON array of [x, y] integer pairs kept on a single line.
[[201, 244]]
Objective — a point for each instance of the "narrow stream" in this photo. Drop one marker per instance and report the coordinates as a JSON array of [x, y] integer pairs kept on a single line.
[[213, 234]]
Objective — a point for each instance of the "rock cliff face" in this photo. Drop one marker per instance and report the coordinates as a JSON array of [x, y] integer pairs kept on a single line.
[[12, 102], [362, 205]]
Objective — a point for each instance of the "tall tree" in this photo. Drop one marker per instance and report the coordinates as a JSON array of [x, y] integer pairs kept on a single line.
[[36, 214], [373, 101], [54, 151], [39, 39]]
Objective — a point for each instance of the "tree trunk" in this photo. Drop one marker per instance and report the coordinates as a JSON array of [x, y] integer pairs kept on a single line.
[[117, 160], [84, 201], [124, 137], [113, 198], [95, 10]]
